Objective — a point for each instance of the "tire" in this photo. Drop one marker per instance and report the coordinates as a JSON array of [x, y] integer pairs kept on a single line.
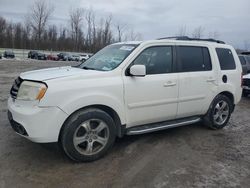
[[88, 135], [217, 117]]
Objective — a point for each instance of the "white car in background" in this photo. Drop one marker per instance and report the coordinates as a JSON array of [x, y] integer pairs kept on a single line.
[[84, 57]]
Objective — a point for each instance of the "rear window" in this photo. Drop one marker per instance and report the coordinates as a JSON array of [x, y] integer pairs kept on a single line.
[[242, 60], [226, 59], [193, 59]]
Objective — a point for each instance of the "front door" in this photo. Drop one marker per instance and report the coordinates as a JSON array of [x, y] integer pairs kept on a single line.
[[152, 98]]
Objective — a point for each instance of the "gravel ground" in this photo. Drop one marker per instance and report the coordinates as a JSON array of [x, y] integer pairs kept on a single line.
[[190, 156]]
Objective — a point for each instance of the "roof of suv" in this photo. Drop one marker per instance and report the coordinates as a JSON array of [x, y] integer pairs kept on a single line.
[[192, 41]]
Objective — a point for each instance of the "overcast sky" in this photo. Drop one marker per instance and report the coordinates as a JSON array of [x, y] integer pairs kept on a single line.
[[156, 18]]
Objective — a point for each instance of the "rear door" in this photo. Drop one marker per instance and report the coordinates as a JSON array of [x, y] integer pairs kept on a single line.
[[197, 80]]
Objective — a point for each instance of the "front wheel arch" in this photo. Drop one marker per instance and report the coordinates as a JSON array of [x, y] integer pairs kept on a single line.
[[114, 115]]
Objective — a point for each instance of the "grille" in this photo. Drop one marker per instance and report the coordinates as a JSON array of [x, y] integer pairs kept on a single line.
[[246, 82], [15, 87]]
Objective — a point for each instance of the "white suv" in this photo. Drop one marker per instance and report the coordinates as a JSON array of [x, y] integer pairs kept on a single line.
[[126, 89]]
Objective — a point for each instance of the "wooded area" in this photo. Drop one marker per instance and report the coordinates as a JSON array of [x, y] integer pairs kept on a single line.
[[83, 33]]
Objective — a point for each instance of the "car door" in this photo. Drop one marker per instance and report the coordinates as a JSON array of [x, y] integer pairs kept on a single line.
[[197, 80], [152, 98]]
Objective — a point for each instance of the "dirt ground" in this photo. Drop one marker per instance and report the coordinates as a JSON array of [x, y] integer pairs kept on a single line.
[[189, 156]]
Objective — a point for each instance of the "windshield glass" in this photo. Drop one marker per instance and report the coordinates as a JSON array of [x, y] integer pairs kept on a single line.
[[109, 57]]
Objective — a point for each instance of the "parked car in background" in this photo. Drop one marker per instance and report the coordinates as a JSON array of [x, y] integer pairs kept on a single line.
[[84, 57], [9, 54], [75, 57], [41, 56], [32, 54], [52, 57], [246, 85], [245, 62], [62, 56], [0, 56], [68, 57]]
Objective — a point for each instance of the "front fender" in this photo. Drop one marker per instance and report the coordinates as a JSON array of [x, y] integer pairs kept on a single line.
[[73, 104]]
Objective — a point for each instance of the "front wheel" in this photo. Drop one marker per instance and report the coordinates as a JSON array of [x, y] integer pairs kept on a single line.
[[219, 112], [88, 135]]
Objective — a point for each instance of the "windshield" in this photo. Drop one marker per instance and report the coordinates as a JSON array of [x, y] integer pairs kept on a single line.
[[109, 57]]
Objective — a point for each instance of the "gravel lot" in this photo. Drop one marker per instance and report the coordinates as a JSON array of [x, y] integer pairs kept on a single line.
[[190, 156]]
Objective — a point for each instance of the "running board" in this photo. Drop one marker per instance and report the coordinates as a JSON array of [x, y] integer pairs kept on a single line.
[[161, 126]]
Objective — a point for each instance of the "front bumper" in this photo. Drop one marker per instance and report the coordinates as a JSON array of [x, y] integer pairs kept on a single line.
[[38, 124]]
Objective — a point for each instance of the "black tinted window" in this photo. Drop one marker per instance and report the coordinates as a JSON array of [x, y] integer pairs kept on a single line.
[[226, 59], [193, 59], [158, 60], [248, 59], [242, 60]]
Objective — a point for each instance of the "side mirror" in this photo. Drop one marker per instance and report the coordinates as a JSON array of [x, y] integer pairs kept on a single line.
[[137, 70]]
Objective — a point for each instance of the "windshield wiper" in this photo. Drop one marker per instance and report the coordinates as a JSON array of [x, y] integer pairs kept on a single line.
[[88, 68]]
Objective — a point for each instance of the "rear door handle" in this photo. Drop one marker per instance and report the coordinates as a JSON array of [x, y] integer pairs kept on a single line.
[[210, 80], [169, 84]]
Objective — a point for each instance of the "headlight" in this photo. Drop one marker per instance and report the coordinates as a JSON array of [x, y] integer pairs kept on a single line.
[[31, 91]]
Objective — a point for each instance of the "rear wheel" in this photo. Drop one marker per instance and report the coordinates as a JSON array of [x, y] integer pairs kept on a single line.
[[219, 112], [88, 135]]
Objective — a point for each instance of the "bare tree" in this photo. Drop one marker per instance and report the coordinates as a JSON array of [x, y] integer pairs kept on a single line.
[[198, 32], [214, 34], [107, 33], [133, 36], [90, 17], [3, 25], [9, 35], [76, 19], [39, 16], [17, 32], [182, 31], [120, 28]]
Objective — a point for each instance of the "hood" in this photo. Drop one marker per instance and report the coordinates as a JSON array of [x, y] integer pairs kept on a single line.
[[247, 76], [53, 73]]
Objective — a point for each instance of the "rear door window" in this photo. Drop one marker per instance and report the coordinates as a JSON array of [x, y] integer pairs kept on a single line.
[[226, 59], [192, 59]]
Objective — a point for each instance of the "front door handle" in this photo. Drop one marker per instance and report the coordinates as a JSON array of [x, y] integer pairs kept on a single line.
[[169, 84]]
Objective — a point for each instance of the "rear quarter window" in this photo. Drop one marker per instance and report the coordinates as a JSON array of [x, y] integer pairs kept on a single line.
[[248, 59], [242, 60], [226, 59]]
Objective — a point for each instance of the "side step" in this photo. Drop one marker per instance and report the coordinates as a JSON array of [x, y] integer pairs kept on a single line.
[[142, 129]]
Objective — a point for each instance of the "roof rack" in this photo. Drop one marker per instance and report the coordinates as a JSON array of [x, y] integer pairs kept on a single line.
[[190, 39], [245, 53]]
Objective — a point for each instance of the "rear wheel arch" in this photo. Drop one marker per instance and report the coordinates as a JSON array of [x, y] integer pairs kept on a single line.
[[208, 118], [228, 94]]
